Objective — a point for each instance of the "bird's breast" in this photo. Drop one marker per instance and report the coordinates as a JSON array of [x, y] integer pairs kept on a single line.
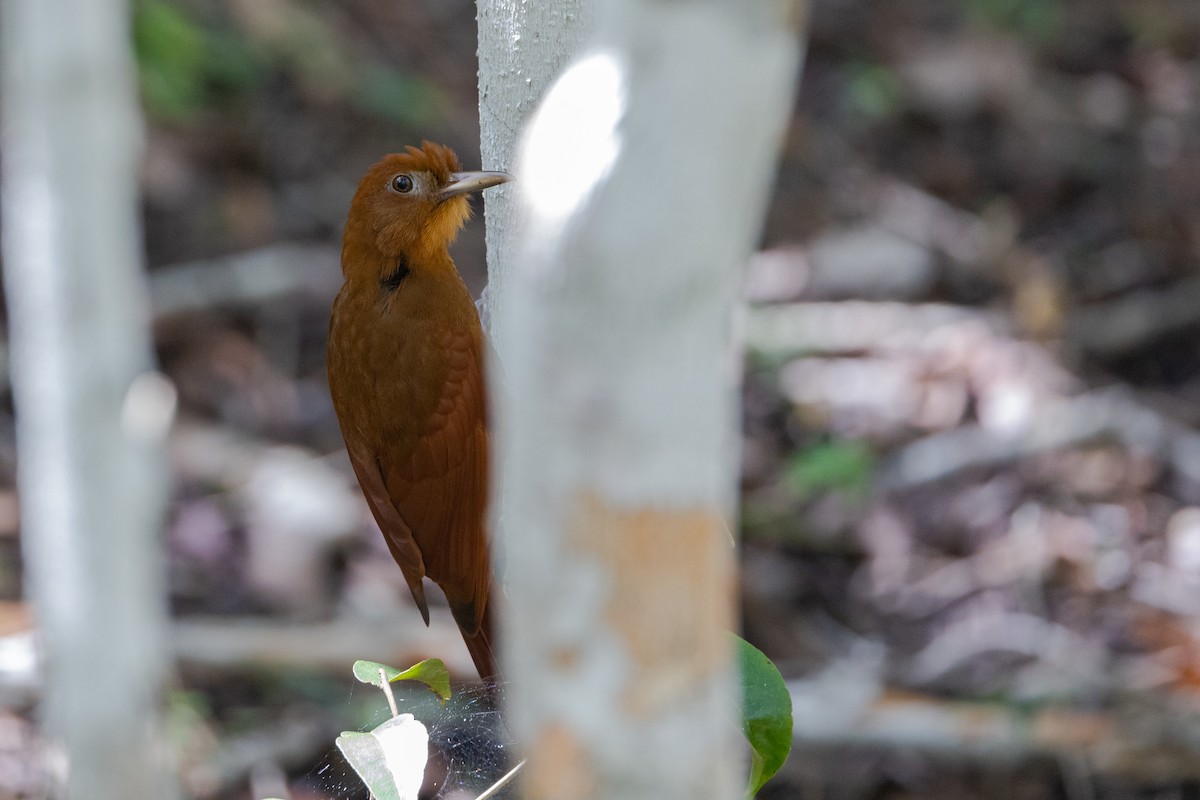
[[394, 361]]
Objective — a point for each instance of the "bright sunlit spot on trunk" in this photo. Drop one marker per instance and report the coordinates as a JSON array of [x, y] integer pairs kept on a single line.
[[573, 139]]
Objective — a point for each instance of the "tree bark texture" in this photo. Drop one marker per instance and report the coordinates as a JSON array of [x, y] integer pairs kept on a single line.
[[523, 46]]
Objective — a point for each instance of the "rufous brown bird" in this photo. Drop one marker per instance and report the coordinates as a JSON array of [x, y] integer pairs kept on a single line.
[[406, 372]]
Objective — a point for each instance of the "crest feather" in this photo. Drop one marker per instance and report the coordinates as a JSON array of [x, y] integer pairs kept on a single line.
[[432, 157]]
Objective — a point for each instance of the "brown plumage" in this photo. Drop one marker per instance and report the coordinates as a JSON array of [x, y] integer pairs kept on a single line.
[[406, 372]]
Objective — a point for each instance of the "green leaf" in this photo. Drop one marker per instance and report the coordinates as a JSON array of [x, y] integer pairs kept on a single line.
[[431, 672], [1039, 21], [398, 96], [390, 759], [844, 465], [766, 714], [364, 753], [170, 54], [183, 64], [874, 89]]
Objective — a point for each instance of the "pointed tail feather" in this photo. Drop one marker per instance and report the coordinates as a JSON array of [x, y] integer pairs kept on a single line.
[[479, 644]]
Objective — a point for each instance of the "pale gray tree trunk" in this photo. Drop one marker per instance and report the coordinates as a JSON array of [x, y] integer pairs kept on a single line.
[[90, 414], [523, 46], [642, 180]]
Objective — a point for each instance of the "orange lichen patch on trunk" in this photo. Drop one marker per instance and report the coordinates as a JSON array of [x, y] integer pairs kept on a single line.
[[672, 599], [560, 767]]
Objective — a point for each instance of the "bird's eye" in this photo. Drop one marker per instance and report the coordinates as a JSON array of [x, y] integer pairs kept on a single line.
[[401, 184]]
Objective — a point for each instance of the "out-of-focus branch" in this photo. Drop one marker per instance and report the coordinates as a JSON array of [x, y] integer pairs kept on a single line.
[[1112, 414], [215, 644], [1121, 326], [252, 277], [845, 705]]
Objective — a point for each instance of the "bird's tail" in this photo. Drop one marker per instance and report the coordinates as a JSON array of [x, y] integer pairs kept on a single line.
[[479, 642]]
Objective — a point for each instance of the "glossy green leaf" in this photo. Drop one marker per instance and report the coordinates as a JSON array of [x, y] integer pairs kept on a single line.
[[431, 672], [766, 714]]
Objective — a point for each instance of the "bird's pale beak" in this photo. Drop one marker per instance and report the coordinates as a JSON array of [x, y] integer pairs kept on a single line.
[[464, 182]]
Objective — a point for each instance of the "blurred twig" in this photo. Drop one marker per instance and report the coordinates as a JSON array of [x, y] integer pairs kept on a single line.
[[1135, 320], [255, 276], [1147, 741], [239, 644], [851, 326], [1112, 414]]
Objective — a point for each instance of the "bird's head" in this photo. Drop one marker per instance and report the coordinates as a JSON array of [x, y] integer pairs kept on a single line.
[[412, 204]]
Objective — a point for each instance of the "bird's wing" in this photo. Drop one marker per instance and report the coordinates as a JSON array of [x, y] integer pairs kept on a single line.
[[396, 532], [439, 486]]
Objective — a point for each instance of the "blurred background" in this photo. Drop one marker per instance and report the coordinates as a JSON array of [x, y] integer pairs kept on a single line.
[[971, 468]]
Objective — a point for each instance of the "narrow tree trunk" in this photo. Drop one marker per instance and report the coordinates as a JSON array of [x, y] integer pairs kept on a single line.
[[642, 182], [523, 46], [89, 414]]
